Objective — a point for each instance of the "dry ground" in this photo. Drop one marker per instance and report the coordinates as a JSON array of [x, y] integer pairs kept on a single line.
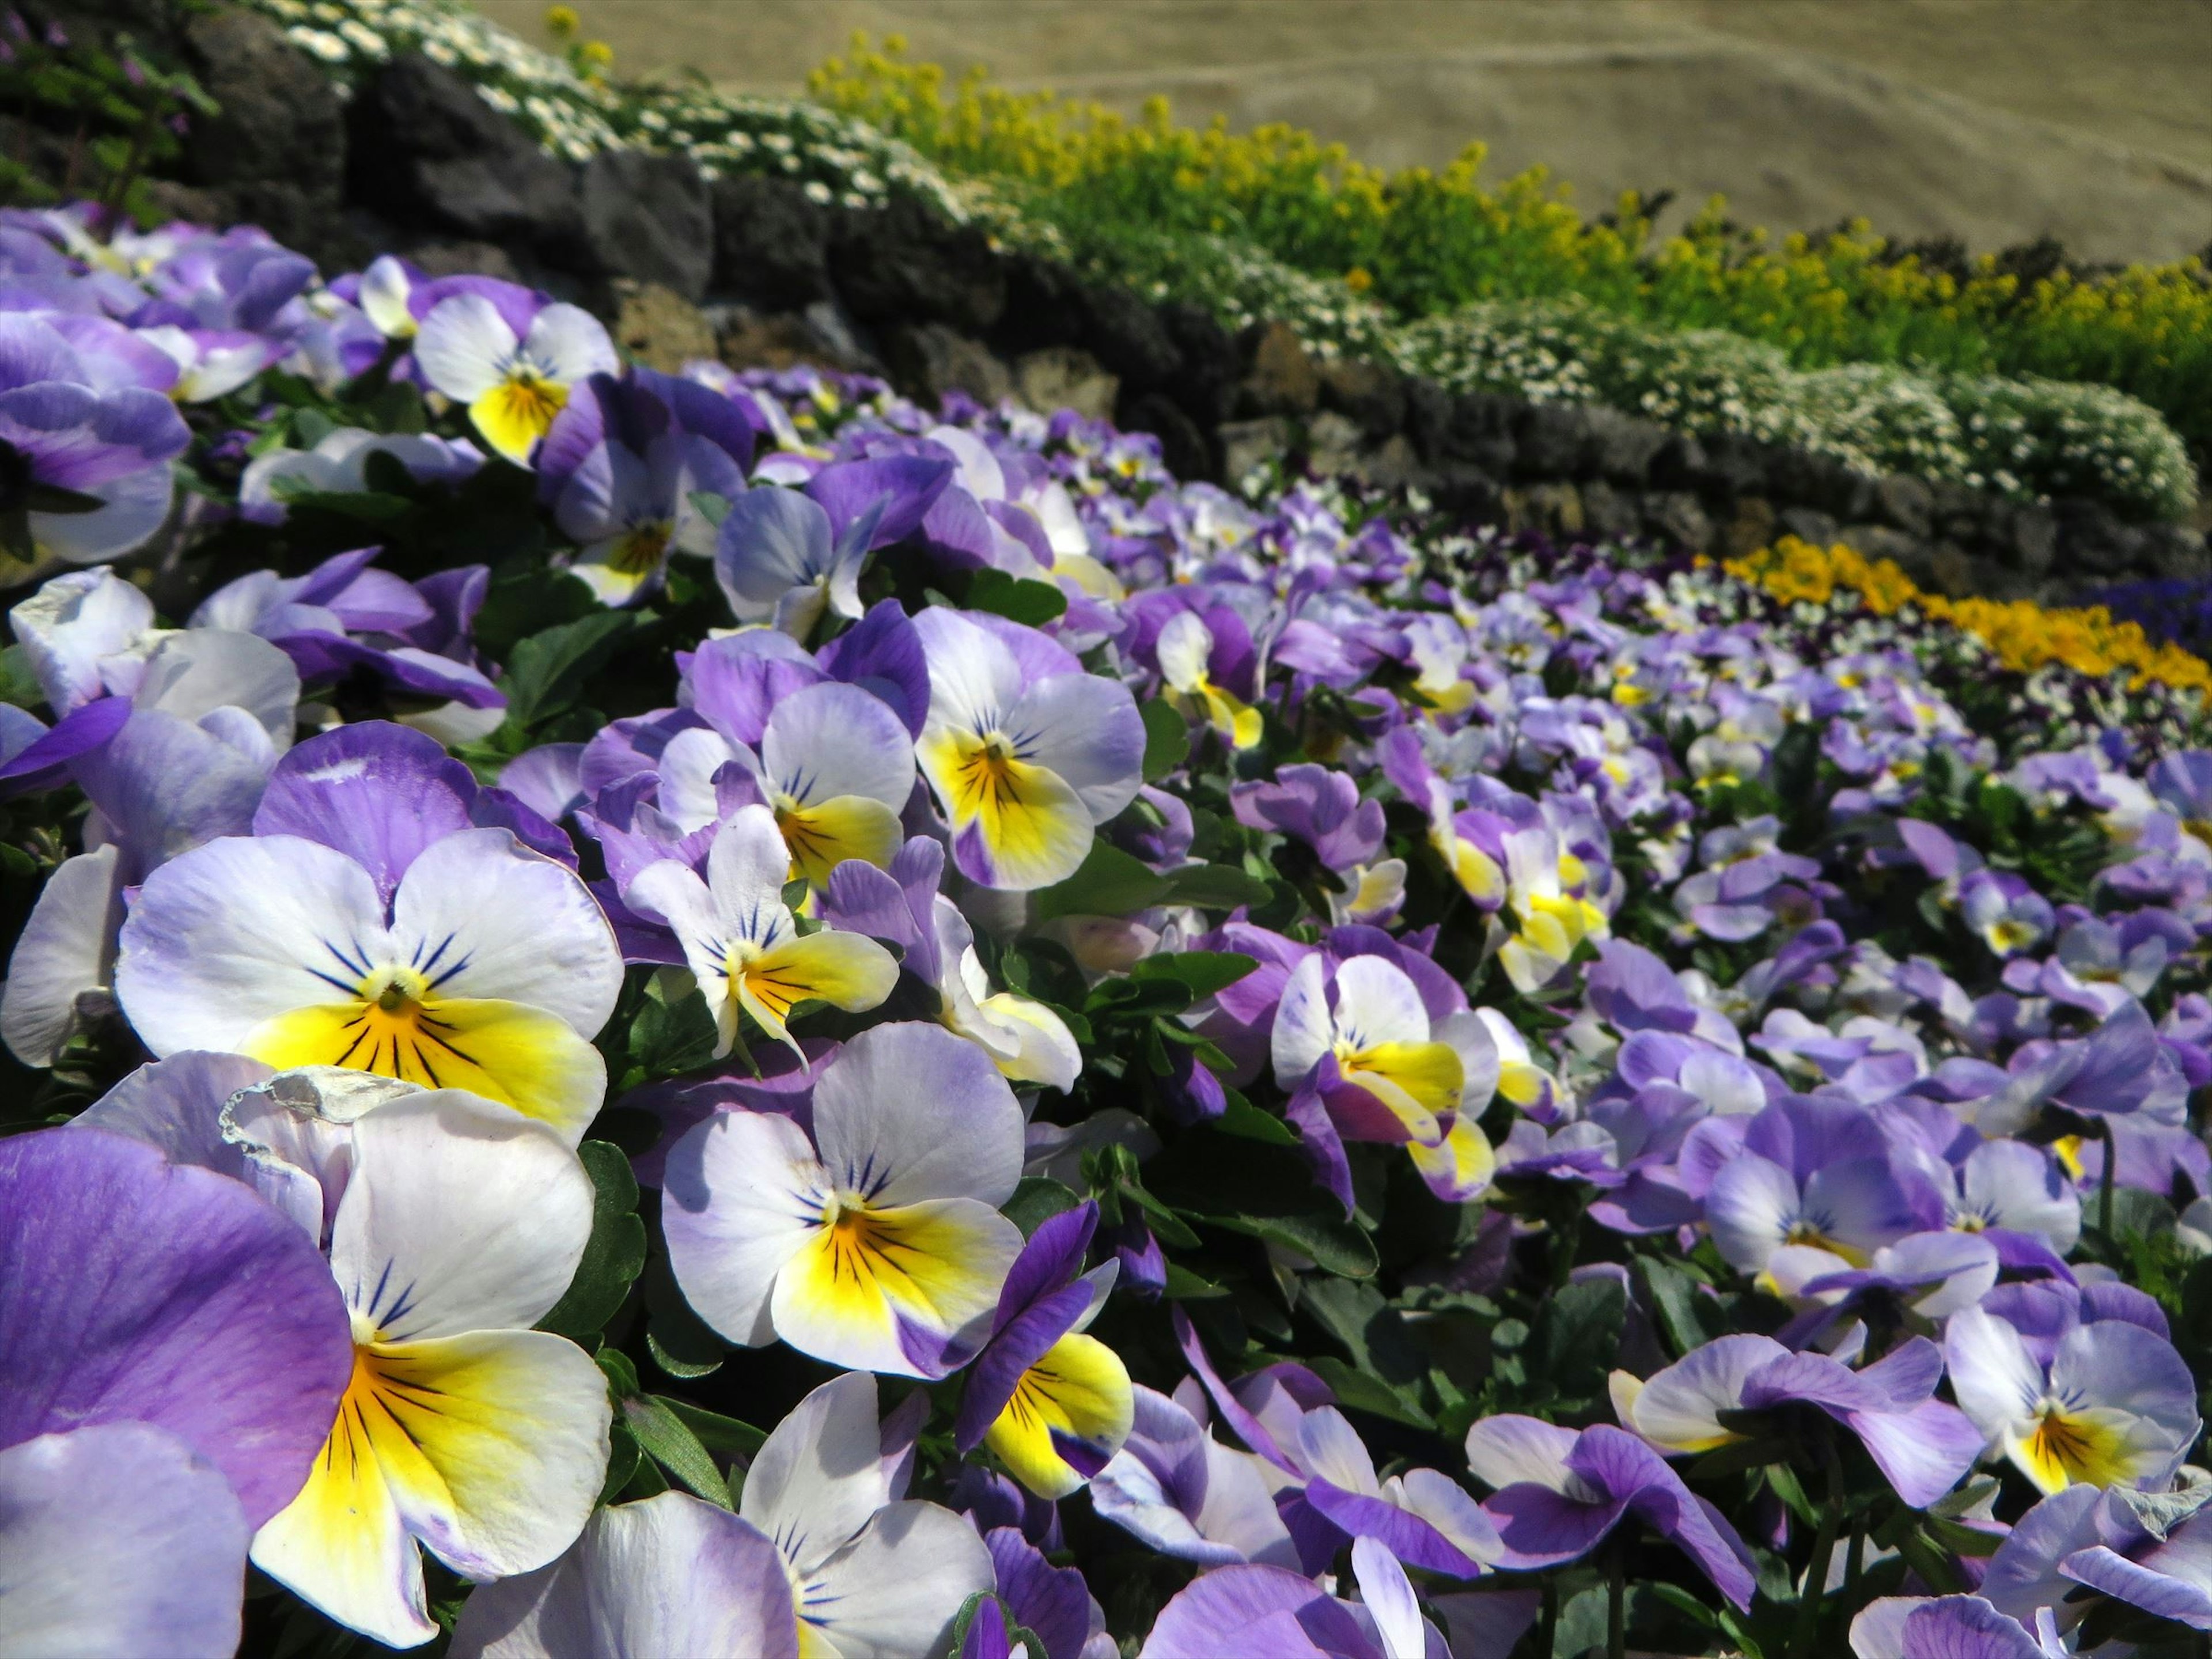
[[1995, 119]]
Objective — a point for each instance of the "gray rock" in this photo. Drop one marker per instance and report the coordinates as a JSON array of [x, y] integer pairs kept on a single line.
[[1369, 395], [421, 147], [1609, 513], [1480, 432], [771, 242], [1735, 464], [2093, 541], [1678, 516], [1956, 511], [1129, 337], [1065, 377], [1428, 417], [1204, 379], [1904, 502], [2032, 539], [281, 117], [1952, 572], [1465, 490], [1749, 528], [1882, 541], [1681, 464], [1331, 444], [1248, 444], [1392, 465], [904, 265], [928, 360], [2176, 550], [646, 216], [1623, 446], [1279, 376], [1807, 524], [1549, 440]]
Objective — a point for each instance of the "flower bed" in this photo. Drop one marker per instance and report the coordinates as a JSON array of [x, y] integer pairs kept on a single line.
[[712, 1013]]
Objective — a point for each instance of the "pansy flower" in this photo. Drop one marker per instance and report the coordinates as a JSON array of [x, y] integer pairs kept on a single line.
[[742, 943], [873, 1240], [509, 357], [1026, 752]]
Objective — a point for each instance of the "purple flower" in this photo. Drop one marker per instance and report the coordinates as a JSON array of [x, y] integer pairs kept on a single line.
[[1559, 1493]]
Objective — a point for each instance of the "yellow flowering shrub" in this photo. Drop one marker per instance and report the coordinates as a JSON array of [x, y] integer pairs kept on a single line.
[[1427, 240], [2025, 636]]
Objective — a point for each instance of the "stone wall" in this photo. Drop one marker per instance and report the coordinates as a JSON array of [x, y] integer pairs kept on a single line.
[[750, 270]]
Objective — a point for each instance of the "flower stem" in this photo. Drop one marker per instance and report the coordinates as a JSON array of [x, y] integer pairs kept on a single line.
[[2104, 1180], [1804, 1640], [1616, 1601]]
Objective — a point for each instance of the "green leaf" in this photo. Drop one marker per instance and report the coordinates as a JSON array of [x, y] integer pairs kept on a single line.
[[1372, 1331], [1363, 1393], [1216, 887], [1245, 1120], [1575, 1337], [1184, 1286], [1334, 1245], [672, 1034], [681, 1343], [18, 685], [1167, 739], [613, 1256], [1032, 603], [668, 1440], [546, 673], [726, 1437], [711, 508], [1680, 1301], [1110, 883], [1204, 972], [1037, 1200]]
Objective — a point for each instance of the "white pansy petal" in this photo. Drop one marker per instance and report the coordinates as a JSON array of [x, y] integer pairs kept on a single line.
[[909, 1112], [1750, 1207], [820, 1475], [1377, 1002], [241, 931], [116, 1540], [896, 1590], [566, 343], [460, 1216], [741, 1196], [463, 347], [973, 678], [65, 949], [1996, 1381], [195, 673], [1184, 645], [746, 871], [834, 740], [1387, 1595], [479, 914], [1303, 1030], [687, 766]]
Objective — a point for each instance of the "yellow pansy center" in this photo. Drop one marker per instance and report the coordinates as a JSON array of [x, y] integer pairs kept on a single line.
[[639, 552], [528, 400]]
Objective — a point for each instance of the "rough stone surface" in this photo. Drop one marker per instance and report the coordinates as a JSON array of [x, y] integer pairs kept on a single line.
[[1951, 572], [1428, 417], [2176, 550], [1392, 464], [928, 360], [1279, 377], [771, 243], [820, 334], [423, 149], [1905, 504], [1369, 395], [1043, 305], [1065, 377], [1247, 444], [646, 217], [1205, 372], [903, 265], [1550, 440], [1678, 516], [1732, 464], [1610, 511], [659, 327], [1622, 447], [2093, 544], [1332, 443], [444, 259], [1129, 337], [281, 117], [1808, 524], [1750, 526]]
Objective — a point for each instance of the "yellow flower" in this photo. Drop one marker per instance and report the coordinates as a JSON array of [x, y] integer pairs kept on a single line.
[[562, 21]]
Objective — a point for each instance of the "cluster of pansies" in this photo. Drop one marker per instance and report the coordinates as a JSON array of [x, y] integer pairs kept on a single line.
[[709, 1013]]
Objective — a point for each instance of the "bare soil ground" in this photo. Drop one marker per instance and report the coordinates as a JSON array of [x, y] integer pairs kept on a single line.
[[1992, 119]]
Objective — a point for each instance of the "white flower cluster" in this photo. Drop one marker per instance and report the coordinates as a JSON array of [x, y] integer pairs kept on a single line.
[[574, 116], [2026, 439]]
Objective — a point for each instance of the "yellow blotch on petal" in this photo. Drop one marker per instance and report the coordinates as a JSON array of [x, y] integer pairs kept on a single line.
[[1079, 1388], [1033, 828], [824, 836], [517, 412]]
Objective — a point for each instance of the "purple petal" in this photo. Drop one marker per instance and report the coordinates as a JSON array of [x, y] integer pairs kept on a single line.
[[378, 792], [1053, 1602], [134, 1291]]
